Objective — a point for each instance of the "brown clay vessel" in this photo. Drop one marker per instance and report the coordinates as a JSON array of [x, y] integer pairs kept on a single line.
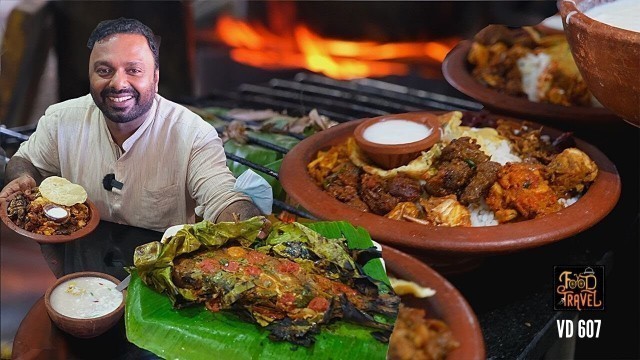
[[608, 58], [592, 207], [389, 156], [84, 328]]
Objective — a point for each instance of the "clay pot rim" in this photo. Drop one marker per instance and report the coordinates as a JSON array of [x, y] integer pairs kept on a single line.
[[593, 26], [59, 281], [448, 304], [405, 148]]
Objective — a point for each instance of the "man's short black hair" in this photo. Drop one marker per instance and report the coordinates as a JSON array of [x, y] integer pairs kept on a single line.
[[125, 26]]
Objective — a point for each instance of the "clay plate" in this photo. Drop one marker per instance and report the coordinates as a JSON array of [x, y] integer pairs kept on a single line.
[[52, 239], [447, 304], [457, 72], [599, 200]]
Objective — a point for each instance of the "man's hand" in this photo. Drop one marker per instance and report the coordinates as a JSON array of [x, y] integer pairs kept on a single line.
[[21, 175], [24, 182], [242, 210]]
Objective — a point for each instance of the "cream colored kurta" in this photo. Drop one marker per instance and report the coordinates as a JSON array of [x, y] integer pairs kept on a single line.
[[172, 167]]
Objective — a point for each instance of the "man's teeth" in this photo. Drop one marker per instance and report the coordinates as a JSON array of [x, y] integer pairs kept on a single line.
[[120, 99]]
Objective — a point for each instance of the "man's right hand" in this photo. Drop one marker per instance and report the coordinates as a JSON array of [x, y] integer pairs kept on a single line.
[[22, 183]]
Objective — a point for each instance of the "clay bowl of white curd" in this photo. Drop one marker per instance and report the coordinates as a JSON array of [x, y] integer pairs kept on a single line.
[[85, 304], [392, 141]]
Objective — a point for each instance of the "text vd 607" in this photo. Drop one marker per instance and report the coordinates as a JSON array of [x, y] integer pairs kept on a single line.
[[586, 328]]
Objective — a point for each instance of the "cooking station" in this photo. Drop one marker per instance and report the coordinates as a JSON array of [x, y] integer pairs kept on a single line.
[[512, 293]]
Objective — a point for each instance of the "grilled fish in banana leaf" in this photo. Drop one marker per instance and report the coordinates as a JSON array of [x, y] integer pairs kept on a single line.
[[287, 278]]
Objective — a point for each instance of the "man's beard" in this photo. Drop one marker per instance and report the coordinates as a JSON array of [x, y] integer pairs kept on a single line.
[[118, 116]]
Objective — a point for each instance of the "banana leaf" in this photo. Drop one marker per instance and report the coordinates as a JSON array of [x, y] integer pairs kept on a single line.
[[196, 333]]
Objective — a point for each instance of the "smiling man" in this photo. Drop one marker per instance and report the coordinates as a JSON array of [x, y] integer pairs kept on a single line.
[[168, 163]]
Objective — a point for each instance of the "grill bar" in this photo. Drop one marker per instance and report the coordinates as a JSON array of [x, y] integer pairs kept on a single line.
[[252, 165], [13, 134], [393, 91], [263, 143], [260, 101], [356, 97], [316, 100], [299, 212]]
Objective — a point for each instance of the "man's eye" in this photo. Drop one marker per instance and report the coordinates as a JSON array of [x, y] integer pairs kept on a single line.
[[103, 71], [134, 71]]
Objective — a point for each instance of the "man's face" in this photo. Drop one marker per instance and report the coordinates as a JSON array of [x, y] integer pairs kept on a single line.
[[122, 77]]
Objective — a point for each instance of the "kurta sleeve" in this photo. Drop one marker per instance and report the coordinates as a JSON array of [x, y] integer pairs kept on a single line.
[[209, 179]]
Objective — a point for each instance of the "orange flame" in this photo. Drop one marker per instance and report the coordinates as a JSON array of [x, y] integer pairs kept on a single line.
[[255, 45]]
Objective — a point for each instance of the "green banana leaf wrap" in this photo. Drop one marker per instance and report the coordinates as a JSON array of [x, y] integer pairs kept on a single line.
[[345, 255], [154, 261]]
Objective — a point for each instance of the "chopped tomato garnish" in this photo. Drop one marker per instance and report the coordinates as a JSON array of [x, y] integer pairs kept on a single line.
[[231, 266], [213, 305], [342, 288], [256, 257], [209, 265], [285, 301], [287, 267], [319, 304], [252, 270]]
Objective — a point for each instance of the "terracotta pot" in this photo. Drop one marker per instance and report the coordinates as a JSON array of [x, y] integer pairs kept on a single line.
[[608, 58], [84, 328], [389, 156]]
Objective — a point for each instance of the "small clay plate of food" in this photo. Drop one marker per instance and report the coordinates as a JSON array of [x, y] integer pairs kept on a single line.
[[492, 184], [525, 73], [55, 212]]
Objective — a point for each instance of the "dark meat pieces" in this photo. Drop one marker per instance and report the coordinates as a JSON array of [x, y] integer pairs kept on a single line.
[[343, 185], [375, 195], [450, 179], [486, 175], [464, 148], [463, 170], [405, 188]]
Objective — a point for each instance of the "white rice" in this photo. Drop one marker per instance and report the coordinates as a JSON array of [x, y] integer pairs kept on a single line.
[[500, 152], [481, 215], [531, 67], [568, 202]]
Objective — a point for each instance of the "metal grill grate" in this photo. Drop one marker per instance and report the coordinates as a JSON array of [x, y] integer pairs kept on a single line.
[[341, 101]]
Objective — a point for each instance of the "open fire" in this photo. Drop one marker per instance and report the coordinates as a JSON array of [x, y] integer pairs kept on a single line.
[[288, 45]]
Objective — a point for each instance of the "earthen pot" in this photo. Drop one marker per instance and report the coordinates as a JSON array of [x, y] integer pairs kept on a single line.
[[390, 156], [608, 58], [84, 328]]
